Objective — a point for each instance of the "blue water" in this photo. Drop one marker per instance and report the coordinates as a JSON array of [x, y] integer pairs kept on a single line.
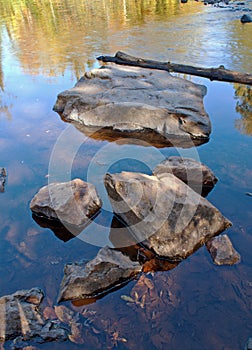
[[197, 305]]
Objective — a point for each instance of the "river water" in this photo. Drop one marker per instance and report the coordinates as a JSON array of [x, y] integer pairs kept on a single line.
[[46, 46]]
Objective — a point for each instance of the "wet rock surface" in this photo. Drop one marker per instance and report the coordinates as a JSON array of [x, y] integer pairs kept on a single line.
[[246, 19], [73, 203], [248, 345], [195, 174], [21, 320], [129, 100], [165, 214], [72, 319], [222, 251], [109, 269], [3, 176]]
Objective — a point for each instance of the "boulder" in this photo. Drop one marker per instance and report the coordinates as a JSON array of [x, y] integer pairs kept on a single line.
[[222, 251], [195, 174], [165, 214], [73, 203], [246, 19], [136, 101], [109, 269], [21, 320]]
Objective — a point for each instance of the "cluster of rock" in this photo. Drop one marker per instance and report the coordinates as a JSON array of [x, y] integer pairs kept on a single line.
[[165, 214], [22, 321], [162, 212], [233, 6]]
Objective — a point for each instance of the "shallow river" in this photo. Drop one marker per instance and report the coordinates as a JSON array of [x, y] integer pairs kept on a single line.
[[46, 46]]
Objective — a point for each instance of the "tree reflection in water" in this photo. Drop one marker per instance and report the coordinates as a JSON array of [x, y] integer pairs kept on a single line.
[[243, 94]]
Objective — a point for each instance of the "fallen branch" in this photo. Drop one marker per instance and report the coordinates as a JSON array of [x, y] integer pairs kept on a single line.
[[220, 73]]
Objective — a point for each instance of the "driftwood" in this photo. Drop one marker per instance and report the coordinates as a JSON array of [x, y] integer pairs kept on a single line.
[[220, 73]]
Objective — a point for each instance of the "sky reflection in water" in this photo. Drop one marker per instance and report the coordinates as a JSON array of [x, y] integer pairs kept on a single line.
[[45, 48]]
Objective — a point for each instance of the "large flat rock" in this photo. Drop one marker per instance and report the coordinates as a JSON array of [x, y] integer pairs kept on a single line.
[[165, 214], [136, 100]]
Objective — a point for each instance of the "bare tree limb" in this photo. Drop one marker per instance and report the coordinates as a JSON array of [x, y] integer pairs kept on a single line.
[[220, 73]]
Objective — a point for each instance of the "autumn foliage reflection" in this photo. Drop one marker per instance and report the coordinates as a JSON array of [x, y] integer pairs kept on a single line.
[[243, 95], [51, 36]]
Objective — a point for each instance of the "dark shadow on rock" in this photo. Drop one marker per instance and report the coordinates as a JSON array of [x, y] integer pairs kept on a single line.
[[56, 227], [124, 241], [147, 138]]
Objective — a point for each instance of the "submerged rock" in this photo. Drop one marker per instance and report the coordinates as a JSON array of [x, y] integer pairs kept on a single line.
[[109, 269], [73, 202], [21, 320], [72, 319], [136, 100], [165, 214], [195, 174], [222, 251]]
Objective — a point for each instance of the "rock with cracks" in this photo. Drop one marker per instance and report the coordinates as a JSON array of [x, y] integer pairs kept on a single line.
[[109, 269], [73, 202], [195, 174], [136, 101], [222, 251], [21, 320], [165, 214]]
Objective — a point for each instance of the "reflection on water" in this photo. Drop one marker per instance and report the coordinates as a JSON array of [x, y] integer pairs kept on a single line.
[[243, 95], [146, 139], [44, 47]]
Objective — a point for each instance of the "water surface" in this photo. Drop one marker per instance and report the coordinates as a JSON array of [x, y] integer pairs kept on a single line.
[[45, 47]]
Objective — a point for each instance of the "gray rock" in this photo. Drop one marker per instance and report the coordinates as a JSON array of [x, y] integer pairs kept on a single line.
[[165, 214], [73, 202], [3, 176], [195, 174], [21, 320], [248, 345], [246, 19], [110, 268], [130, 100], [222, 251]]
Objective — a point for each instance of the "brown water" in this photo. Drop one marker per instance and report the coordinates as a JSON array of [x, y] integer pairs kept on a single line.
[[45, 47]]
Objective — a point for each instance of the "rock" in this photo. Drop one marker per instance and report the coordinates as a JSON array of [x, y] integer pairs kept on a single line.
[[248, 345], [108, 269], [73, 202], [165, 214], [3, 176], [71, 318], [136, 100], [246, 19], [195, 174], [21, 320], [222, 251]]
